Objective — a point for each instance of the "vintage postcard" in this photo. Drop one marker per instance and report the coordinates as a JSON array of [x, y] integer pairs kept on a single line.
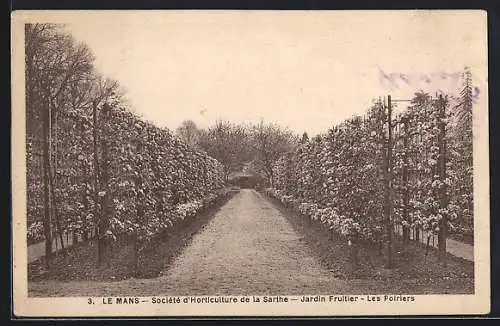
[[250, 163]]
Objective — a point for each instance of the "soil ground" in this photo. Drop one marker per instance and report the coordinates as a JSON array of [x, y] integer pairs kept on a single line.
[[418, 269], [79, 262], [252, 245]]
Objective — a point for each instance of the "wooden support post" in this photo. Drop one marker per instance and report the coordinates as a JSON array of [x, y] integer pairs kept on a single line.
[[388, 198], [443, 224]]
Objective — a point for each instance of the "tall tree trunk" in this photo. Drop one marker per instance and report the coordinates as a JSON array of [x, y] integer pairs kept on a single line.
[[135, 252], [354, 252], [74, 238], [51, 180], [55, 211], [96, 183], [103, 221], [84, 232], [47, 228], [139, 202], [443, 225], [158, 190], [388, 188], [406, 192], [104, 180]]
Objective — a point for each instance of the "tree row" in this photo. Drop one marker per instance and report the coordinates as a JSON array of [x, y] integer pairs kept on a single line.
[[381, 172]]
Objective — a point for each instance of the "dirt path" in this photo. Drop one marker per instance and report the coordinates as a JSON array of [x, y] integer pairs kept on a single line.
[[454, 247], [37, 250], [247, 248]]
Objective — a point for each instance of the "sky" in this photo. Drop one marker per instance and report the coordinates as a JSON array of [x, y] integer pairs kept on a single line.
[[304, 70]]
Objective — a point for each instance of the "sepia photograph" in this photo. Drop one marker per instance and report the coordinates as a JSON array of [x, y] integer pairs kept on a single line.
[[173, 163]]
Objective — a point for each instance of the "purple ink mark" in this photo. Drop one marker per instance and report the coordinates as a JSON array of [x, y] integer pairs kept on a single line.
[[475, 94], [386, 79], [393, 80], [426, 79]]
